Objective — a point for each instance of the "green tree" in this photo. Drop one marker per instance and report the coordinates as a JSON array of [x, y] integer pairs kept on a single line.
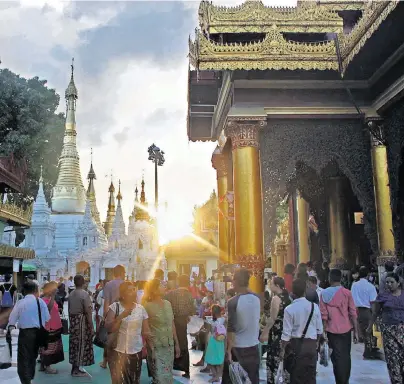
[[30, 129]]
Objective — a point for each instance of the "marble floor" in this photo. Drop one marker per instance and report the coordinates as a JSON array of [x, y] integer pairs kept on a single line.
[[363, 371]]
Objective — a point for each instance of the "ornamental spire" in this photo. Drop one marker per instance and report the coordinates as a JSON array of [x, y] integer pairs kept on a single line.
[[142, 214], [69, 193], [118, 227], [119, 196], [91, 193], [111, 210], [142, 193]]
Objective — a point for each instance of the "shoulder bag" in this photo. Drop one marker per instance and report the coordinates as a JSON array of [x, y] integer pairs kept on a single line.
[[291, 355], [103, 338], [42, 333]]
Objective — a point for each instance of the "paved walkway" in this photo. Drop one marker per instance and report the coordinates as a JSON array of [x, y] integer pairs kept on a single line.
[[363, 371]]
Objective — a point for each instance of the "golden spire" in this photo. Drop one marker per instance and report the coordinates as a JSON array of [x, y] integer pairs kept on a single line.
[[142, 193], [91, 193], [119, 196], [111, 210], [142, 214], [136, 194]]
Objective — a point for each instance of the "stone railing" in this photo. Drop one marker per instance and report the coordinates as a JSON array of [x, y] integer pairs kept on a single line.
[[15, 215]]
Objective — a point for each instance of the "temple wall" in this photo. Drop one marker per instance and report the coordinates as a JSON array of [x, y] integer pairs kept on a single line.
[[316, 143]]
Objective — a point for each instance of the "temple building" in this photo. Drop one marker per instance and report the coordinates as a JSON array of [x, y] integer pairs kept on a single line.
[[13, 220], [69, 237], [305, 104]]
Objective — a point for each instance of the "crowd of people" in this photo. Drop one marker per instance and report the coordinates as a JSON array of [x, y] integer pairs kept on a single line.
[[148, 321]]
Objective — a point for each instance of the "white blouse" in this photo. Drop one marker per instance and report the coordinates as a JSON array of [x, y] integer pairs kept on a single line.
[[130, 332]]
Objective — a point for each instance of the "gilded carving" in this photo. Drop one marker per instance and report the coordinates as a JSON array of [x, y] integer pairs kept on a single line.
[[374, 13], [16, 214], [244, 131], [274, 52], [254, 16], [254, 263], [220, 164], [377, 135], [16, 253]]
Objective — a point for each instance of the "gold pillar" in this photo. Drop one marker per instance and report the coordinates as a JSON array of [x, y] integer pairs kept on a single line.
[[274, 262], [219, 163], [338, 222], [230, 206], [244, 133], [281, 253], [302, 212], [381, 184]]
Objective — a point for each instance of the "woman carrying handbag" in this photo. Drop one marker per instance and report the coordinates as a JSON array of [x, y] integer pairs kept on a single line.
[[127, 324]]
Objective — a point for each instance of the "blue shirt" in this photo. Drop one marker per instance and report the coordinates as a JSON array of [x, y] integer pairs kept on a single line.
[[25, 313]]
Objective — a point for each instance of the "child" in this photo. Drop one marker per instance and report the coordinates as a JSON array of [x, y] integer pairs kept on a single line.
[[215, 351]]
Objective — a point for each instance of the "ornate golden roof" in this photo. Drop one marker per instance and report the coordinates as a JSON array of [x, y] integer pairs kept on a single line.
[[374, 13], [254, 16], [15, 214], [274, 52], [16, 253]]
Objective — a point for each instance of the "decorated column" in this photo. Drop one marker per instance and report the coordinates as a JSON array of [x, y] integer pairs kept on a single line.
[[244, 134], [219, 163], [338, 222], [302, 227], [381, 184]]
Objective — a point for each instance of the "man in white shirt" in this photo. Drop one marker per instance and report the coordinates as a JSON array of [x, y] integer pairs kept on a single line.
[[70, 285], [364, 293], [301, 316], [26, 314]]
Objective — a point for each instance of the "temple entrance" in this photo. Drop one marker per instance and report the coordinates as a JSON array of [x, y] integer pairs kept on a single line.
[[83, 268], [333, 218]]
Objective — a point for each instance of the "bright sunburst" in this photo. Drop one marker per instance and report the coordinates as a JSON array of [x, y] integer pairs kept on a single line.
[[174, 223]]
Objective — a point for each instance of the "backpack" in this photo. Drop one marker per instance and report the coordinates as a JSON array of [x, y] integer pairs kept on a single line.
[[7, 299]]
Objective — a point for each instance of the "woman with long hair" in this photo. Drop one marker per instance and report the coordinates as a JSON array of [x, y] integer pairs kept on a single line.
[[390, 305], [81, 353], [163, 339], [272, 332], [129, 320], [54, 353]]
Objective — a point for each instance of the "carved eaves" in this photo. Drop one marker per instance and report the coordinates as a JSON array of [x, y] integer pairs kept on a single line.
[[274, 52], [255, 17]]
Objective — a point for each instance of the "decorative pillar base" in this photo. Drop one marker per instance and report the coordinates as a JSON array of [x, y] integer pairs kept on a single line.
[[256, 265]]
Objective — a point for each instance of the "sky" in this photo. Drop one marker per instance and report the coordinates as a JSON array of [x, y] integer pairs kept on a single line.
[[131, 73]]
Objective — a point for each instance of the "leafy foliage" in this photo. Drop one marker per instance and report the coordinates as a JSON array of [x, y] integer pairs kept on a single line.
[[30, 129]]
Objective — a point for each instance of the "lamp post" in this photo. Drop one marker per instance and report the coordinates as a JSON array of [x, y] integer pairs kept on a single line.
[[156, 155]]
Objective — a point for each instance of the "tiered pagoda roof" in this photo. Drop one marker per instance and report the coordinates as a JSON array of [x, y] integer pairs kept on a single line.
[[255, 36]]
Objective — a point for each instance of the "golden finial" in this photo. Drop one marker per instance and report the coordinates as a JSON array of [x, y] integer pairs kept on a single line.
[[72, 66], [119, 196]]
